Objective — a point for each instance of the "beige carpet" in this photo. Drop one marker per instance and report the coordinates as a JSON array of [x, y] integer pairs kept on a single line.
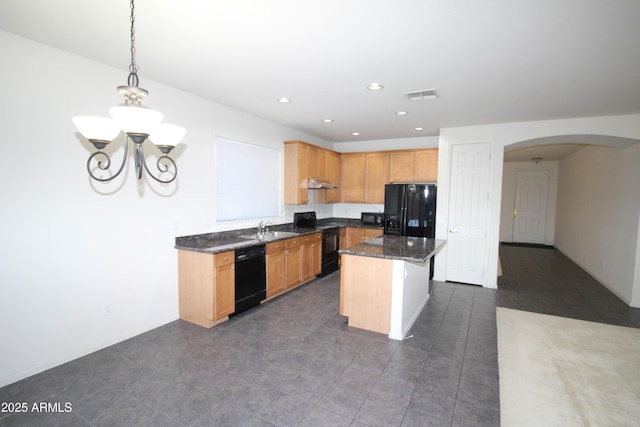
[[564, 372]]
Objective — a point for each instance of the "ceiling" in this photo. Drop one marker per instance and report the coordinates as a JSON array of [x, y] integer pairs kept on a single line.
[[490, 61]]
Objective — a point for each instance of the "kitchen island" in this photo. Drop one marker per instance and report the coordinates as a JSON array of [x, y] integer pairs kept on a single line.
[[384, 282]]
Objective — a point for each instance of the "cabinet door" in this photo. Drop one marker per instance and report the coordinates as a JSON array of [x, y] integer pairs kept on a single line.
[[370, 233], [354, 236], [316, 257], [315, 163], [275, 272], [426, 165], [332, 168], [307, 267], [377, 175], [293, 263], [312, 256], [224, 301], [401, 166], [352, 168], [224, 285], [295, 173]]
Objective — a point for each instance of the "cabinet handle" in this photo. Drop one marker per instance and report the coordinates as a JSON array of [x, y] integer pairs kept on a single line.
[[226, 258]]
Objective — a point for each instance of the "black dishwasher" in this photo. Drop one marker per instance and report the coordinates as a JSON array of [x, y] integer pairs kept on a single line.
[[251, 277]]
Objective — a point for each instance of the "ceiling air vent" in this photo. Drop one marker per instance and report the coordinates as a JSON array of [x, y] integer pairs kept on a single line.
[[421, 94]]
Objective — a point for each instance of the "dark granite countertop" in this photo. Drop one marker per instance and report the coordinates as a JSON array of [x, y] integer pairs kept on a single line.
[[403, 248], [230, 240]]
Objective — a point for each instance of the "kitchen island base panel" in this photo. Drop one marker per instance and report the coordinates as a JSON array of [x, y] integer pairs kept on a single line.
[[365, 292], [383, 295]]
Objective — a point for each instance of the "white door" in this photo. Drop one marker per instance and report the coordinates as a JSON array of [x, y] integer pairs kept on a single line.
[[468, 213], [530, 211]]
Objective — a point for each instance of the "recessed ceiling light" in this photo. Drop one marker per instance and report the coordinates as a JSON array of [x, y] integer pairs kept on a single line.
[[355, 133], [284, 100], [401, 113], [419, 128], [327, 120], [375, 86]]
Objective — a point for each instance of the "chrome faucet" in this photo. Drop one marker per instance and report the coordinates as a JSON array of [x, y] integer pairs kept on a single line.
[[262, 227]]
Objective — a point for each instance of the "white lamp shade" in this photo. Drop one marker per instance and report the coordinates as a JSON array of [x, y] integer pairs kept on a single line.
[[97, 128], [136, 119], [167, 134]]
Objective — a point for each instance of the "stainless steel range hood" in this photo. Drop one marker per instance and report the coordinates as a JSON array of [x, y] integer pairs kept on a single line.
[[319, 184]]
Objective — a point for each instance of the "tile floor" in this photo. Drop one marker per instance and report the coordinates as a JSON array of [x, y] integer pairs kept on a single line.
[[545, 281], [290, 362], [295, 362]]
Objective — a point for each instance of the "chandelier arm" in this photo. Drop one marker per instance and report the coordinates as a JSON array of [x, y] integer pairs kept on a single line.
[[163, 168], [139, 159], [107, 164]]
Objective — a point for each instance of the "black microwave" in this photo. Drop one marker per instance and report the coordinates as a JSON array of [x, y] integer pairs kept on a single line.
[[373, 219]]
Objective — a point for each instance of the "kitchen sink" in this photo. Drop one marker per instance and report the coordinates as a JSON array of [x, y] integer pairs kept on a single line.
[[271, 235]]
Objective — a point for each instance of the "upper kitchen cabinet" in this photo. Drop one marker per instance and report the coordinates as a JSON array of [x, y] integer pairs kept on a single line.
[[363, 176], [426, 167], [376, 176], [332, 169], [401, 166], [303, 161], [352, 167], [295, 173], [414, 165]]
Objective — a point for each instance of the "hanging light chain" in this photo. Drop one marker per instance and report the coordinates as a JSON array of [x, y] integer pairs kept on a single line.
[[132, 80]]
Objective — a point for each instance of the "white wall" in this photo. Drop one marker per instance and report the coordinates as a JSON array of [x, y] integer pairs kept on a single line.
[[598, 211], [608, 130], [70, 254], [387, 144], [509, 174]]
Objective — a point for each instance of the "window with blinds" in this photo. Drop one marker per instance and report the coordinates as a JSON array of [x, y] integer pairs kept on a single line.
[[247, 181]]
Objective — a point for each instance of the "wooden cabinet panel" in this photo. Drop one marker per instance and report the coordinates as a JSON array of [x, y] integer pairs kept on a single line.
[[352, 173], [332, 168], [361, 176], [275, 261], [376, 176], [295, 173], [370, 233], [303, 161], [355, 235], [426, 165], [293, 266], [401, 166], [315, 163], [311, 256], [206, 287], [224, 299]]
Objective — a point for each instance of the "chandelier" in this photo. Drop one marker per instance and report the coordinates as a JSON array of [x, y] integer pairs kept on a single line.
[[138, 124]]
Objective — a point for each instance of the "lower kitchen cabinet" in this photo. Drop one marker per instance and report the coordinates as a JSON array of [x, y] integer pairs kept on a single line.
[[206, 287], [292, 262], [355, 235], [275, 261], [311, 256]]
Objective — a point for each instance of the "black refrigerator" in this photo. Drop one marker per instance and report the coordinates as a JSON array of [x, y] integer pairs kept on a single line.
[[410, 210]]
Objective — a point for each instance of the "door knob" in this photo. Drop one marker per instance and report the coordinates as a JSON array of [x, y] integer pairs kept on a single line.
[[515, 213]]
